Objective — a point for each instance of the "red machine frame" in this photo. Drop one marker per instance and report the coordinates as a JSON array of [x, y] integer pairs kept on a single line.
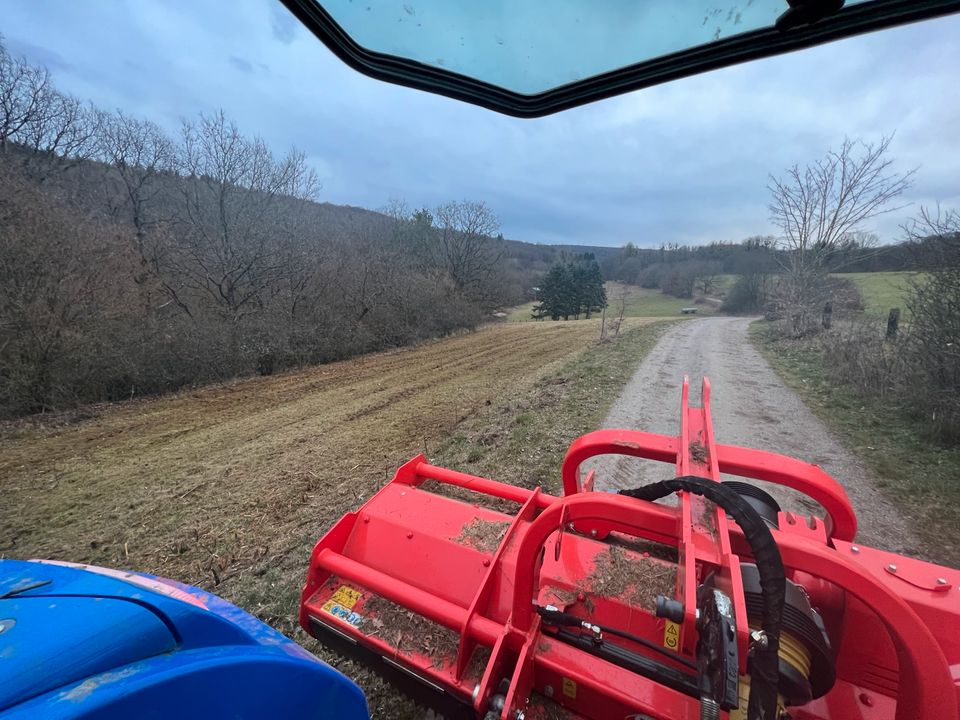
[[403, 545]]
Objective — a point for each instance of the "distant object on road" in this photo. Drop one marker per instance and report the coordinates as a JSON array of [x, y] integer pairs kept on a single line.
[[688, 311]]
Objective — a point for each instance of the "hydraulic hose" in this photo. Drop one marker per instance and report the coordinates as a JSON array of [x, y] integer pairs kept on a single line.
[[556, 617], [764, 665]]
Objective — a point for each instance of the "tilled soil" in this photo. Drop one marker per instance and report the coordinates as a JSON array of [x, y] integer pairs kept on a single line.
[[229, 486], [751, 407]]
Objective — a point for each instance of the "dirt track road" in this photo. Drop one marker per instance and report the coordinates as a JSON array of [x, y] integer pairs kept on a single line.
[[751, 407]]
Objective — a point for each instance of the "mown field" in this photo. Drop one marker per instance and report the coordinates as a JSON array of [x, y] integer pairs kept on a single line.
[[639, 302], [204, 485], [228, 487]]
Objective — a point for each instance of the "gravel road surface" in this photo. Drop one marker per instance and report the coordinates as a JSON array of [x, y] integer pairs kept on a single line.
[[751, 407]]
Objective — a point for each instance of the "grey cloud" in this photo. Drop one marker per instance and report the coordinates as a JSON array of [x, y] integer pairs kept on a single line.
[[684, 162], [283, 24], [241, 64], [37, 54]]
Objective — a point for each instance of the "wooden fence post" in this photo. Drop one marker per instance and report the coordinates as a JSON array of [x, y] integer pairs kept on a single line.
[[827, 318], [893, 322]]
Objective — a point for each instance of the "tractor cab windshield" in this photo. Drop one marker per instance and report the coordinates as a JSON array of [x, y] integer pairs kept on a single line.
[[533, 58]]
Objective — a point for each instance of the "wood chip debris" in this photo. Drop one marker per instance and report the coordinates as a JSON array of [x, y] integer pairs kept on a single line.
[[483, 535]]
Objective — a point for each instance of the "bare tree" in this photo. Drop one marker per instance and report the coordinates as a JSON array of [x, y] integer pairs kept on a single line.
[[231, 220], [820, 207], [935, 237], [24, 92], [63, 133], [55, 129], [414, 231], [620, 296], [140, 154], [396, 209], [465, 244], [707, 280]]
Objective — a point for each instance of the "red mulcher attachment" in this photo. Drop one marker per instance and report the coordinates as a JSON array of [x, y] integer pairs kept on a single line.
[[598, 605]]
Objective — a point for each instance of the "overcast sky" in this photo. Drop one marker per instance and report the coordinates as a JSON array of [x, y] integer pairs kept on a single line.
[[686, 162]]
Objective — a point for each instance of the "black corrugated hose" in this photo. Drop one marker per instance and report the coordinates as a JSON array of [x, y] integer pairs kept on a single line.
[[764, 664]]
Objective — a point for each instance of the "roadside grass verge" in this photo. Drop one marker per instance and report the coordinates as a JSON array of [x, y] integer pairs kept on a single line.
[[523, 440], [920, 475]]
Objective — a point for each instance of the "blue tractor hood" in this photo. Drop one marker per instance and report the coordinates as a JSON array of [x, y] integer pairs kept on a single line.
[[50, 641], [86, 642]]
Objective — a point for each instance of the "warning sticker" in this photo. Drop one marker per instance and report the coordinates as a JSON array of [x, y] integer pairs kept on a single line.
[[346, 596], [570, 688], [341, 603], [671, 635]]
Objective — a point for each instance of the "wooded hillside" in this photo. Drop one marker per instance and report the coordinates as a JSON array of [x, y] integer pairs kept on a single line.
[[133, 261]]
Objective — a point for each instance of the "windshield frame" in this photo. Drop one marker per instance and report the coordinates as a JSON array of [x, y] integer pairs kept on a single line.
[[851, 20]]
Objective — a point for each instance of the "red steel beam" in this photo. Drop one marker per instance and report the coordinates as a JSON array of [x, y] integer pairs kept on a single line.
[[649, 446], [481, 485]]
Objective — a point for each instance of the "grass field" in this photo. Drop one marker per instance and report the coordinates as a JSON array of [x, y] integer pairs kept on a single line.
[[883, 290], [228, 487], [640, 302]]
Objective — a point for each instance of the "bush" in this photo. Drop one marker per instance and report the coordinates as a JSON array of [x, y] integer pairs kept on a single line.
[[650, 277], [66, 298], [858, 355], [799, 303], [748, 295], [678, 280], [919, 371], [931, 345]]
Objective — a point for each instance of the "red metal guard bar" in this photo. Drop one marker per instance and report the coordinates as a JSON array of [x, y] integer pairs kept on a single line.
[[426, 471], [731, 459]]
